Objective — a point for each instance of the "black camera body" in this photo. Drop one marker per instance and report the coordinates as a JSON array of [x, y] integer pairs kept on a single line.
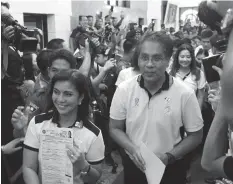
[[23, 39]]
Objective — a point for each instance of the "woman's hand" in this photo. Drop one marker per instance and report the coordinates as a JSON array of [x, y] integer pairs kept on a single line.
[[77, 158], [12, 146], [19, 118]]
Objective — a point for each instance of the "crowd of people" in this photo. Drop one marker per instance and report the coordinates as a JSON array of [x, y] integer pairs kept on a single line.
[[117, 88]]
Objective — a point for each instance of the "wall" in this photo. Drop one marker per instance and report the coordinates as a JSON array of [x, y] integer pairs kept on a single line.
[[58, 15], [154, 12], [138, 9]]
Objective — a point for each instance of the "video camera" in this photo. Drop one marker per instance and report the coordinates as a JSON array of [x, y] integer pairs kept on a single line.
[[23, 39], [213, 19]]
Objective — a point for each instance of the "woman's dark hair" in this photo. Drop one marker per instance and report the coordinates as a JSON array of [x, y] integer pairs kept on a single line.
[[164, 40], [193, 66], [43, 59], [80, 82], [63, 54]]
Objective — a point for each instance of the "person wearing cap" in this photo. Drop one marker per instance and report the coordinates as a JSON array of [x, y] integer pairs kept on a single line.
[[206, 34]]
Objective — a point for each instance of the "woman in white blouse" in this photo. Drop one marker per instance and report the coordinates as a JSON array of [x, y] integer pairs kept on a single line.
[[184, 68]]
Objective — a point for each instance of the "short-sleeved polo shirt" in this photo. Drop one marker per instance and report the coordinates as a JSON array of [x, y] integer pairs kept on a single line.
[[190, 81], [156, 119], [90, 137]]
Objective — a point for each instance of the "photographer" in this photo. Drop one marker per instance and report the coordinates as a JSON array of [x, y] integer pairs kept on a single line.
[[12, 77], [77, 35]]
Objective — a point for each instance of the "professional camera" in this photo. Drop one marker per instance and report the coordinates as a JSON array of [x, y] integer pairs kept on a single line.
[[223, 24], [23, 39]]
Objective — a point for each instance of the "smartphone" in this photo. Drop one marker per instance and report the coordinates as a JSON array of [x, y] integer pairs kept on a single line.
[[210, 73]]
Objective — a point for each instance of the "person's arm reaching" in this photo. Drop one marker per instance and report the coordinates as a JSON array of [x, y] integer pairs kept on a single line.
[[98, 79], [216, 145], [85, 67]]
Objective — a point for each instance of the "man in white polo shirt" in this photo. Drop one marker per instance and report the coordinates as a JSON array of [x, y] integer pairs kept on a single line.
[[153, 108]]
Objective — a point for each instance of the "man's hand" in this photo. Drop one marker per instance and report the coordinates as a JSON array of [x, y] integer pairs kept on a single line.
[[9, 32], [217, 69], [19, 119], [103, 86], [214, 98], [12, 146], [109, 65], [137, 159], [87, 46], [163, 158]]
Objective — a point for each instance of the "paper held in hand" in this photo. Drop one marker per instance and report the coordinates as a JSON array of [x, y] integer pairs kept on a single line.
[[154, 166], [56, 167]]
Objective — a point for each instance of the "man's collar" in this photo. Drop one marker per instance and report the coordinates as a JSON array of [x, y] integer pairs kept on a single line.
[[164, 87]]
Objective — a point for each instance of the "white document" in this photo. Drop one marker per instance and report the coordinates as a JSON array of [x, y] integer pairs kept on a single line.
[[154, 166], [56, 167]]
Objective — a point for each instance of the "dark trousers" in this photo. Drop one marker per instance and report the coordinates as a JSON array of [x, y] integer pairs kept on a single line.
[[103, 124], [208, 116], [175, 173]]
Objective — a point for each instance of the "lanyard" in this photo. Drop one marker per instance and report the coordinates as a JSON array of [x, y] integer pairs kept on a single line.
[[185, 76]]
